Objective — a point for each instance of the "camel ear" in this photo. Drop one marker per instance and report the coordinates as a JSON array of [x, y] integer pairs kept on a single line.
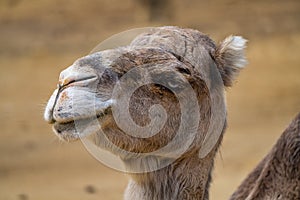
[[230, 58]]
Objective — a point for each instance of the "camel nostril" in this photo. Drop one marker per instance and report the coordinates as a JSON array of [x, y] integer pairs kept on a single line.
[[68, 81], [83, 78], [64, 82]]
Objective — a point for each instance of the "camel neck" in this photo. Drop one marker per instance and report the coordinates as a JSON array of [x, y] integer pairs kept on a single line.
[[188, 178]]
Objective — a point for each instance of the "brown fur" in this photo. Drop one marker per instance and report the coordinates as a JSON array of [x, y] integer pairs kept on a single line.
[[277, 176], [172, 50], [170, 182], [193, 55]]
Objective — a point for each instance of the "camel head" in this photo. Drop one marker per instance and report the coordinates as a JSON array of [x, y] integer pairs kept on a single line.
[[137, 97]]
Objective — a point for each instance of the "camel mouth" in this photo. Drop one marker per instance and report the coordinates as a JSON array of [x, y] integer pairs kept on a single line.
[[71, 130]]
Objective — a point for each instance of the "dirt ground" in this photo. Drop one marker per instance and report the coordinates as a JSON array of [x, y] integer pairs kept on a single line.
[[39, 38]]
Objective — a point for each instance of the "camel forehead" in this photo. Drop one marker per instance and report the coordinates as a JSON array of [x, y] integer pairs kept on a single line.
[[160, 45], [120, 61]]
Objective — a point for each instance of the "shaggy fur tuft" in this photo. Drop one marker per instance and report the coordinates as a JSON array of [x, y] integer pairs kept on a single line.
[[230, 58]]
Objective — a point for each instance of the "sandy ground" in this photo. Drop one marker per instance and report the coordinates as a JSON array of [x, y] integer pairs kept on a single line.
[[40, 38]]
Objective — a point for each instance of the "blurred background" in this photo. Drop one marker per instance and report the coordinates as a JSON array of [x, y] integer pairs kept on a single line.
[[39, 38]]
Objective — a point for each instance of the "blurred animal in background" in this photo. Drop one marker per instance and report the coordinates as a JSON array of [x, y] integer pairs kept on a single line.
[[277, 176]]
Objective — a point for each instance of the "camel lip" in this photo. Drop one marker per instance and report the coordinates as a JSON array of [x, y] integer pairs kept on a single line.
[[67, 121], [69, 115], [68, 130]]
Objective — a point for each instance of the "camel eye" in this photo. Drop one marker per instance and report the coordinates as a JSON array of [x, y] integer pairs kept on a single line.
[[184, 70]]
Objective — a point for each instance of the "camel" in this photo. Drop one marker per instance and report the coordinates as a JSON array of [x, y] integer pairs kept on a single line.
[[277, 176], [171, 62]]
